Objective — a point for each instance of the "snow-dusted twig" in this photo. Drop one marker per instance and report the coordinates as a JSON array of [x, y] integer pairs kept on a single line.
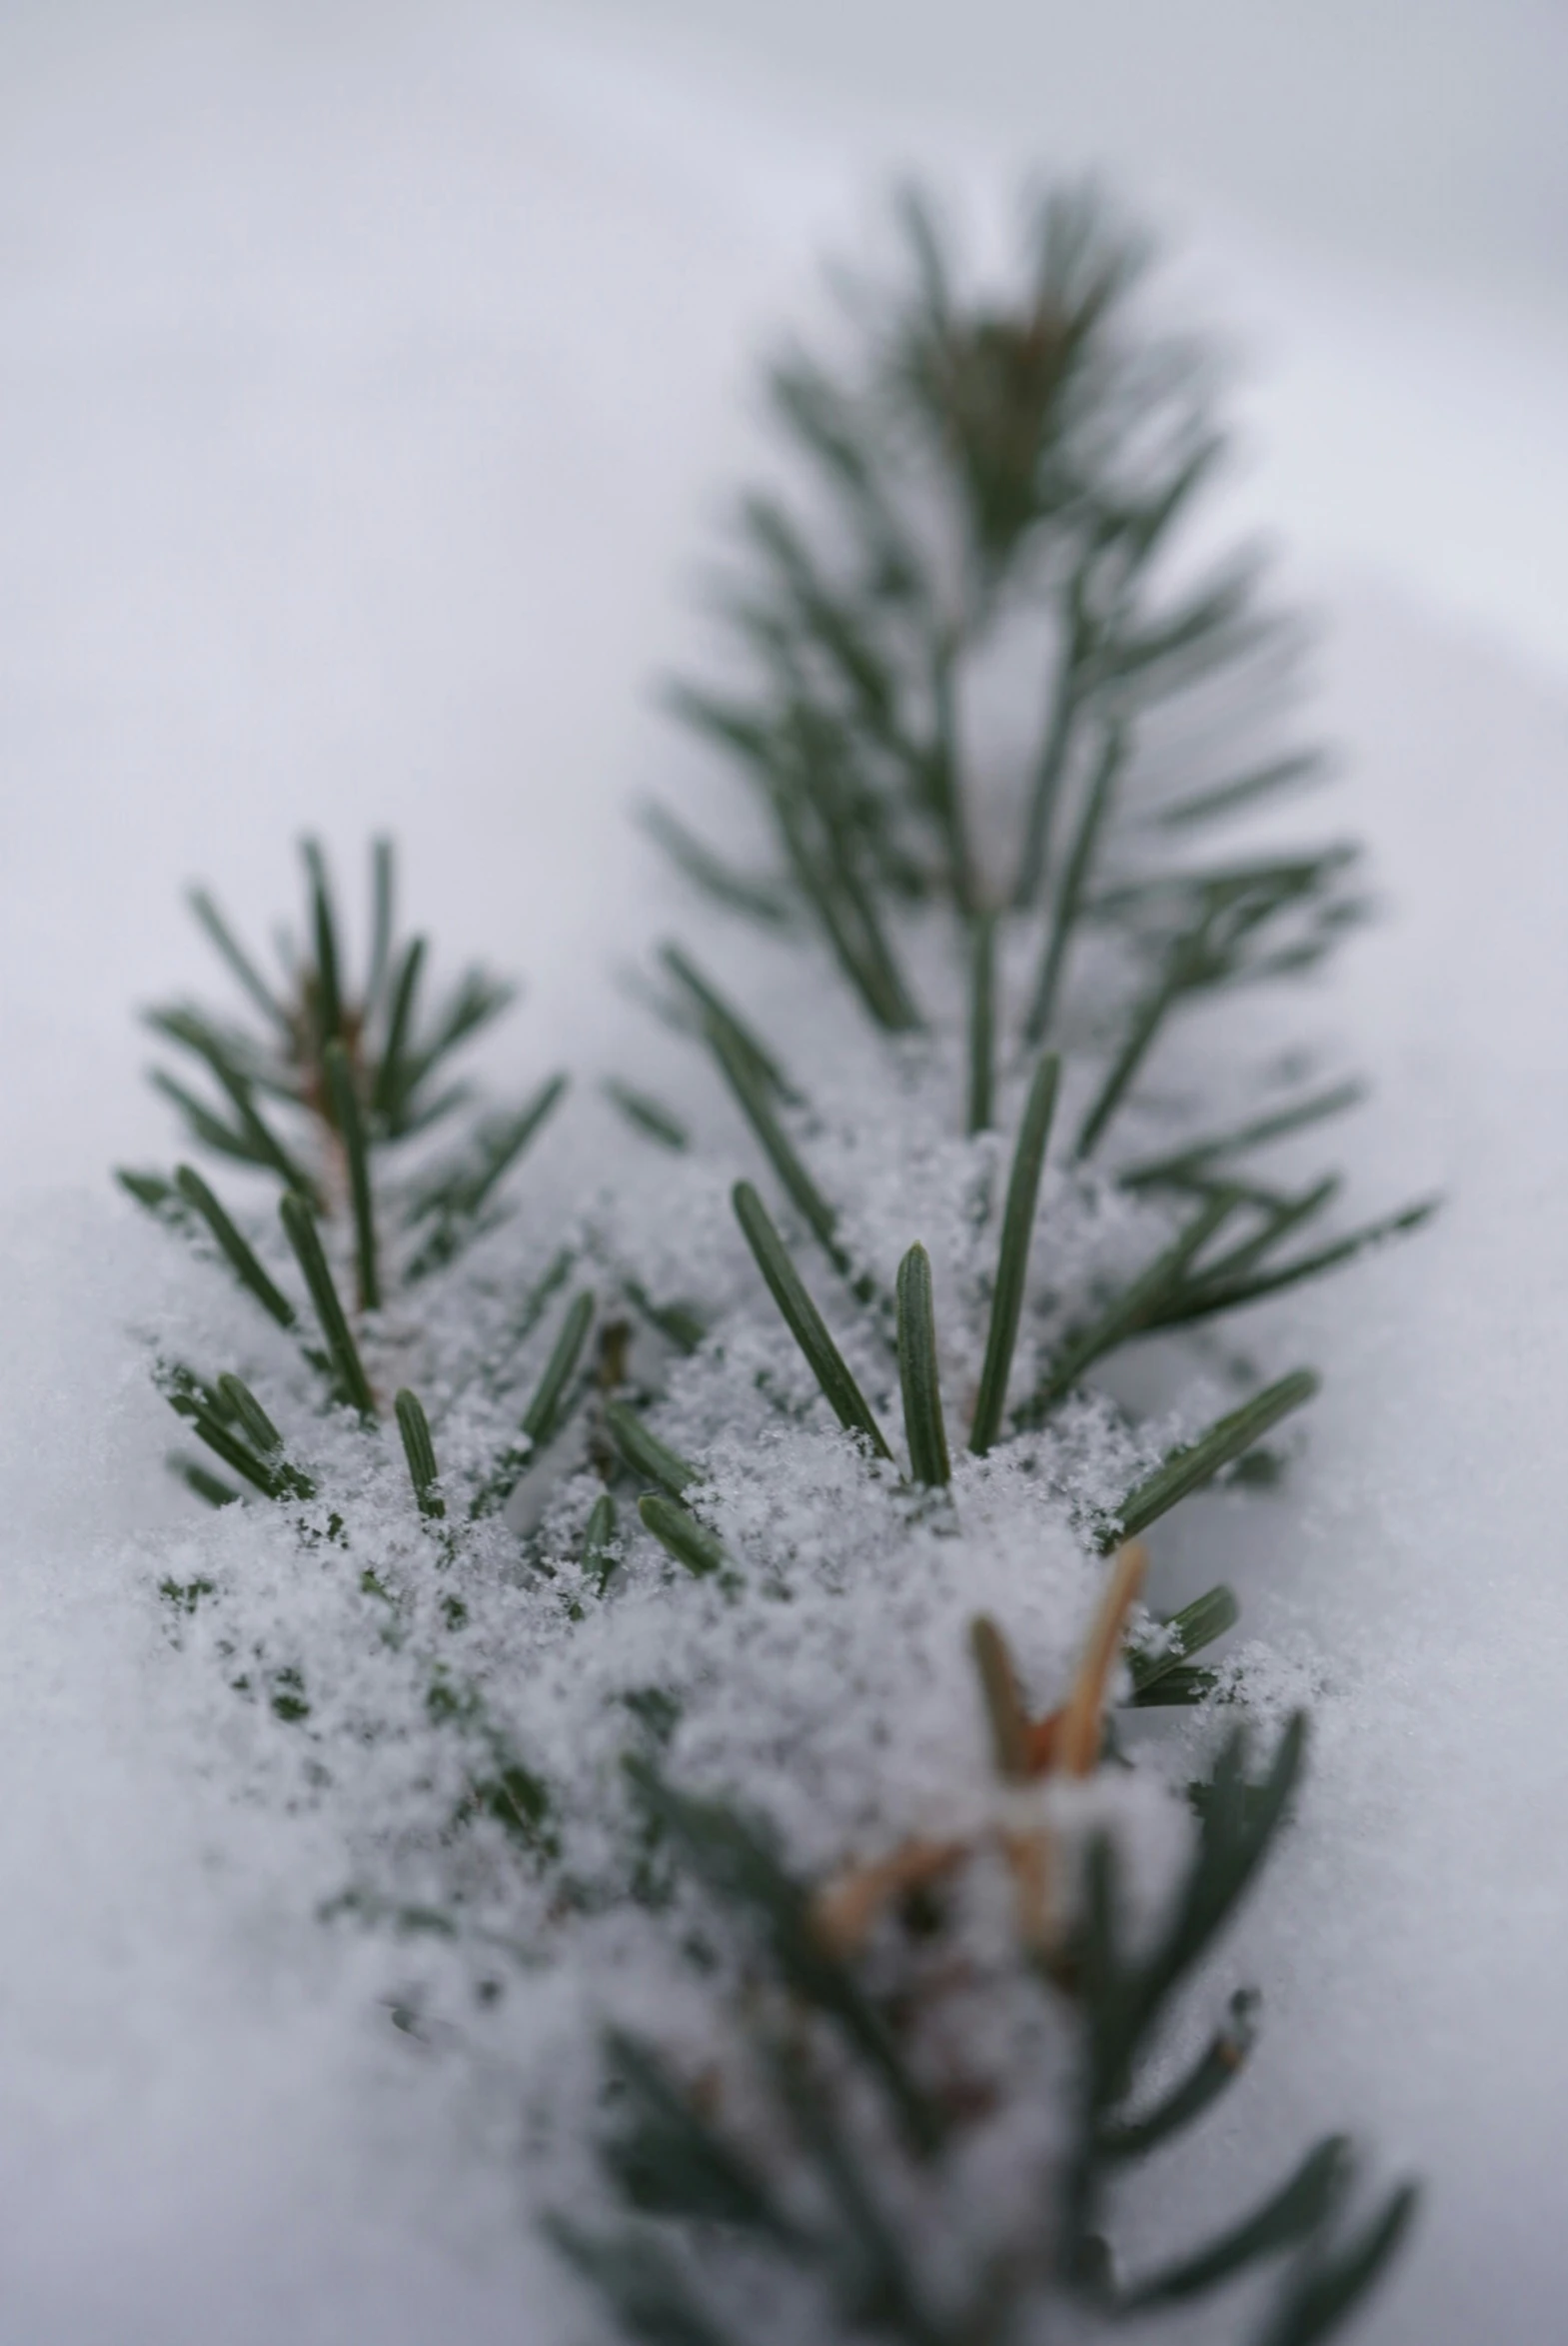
[[815, 1743]]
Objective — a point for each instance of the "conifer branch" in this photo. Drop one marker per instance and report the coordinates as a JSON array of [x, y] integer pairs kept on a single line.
[[978, 474], [1012, 421]]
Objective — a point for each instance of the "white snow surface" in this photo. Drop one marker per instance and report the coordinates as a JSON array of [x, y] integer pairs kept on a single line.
[[368, 383]]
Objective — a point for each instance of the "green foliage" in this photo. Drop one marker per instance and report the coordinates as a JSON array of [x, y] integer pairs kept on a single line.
[[838, 2069], [1196, 1625], [924, 1429], [240, 1255], [356, 1074], [1017, 1226], [736, 1861], [231, 1421], [299, 1224], [805, 1321], [983, 1022], [543, 1411], [646, 1455], [649, 1117], [982, 480], [599, 1552], [1129, 1311], [750, 1094], [419, 1452], [454, 1201], [345, 1107], [1010, 469], [681, 1534], [713, 1012], [1195, 1463], [1070, 897]]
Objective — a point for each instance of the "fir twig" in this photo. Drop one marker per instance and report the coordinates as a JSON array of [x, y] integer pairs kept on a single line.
[[995, 481], [419, 1452], [1190, 1467], [299, 1226], [241, 1254]]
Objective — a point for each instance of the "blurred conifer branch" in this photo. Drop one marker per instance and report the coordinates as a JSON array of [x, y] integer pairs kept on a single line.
[[975, 471]]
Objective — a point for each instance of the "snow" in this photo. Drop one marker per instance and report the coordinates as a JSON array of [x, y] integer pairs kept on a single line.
[[366, 395], [1412, 1941]]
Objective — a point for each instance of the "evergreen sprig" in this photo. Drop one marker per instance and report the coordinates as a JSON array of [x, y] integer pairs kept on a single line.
[[981, 471], [830, 2056], [978, 482], [356, 1073]]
